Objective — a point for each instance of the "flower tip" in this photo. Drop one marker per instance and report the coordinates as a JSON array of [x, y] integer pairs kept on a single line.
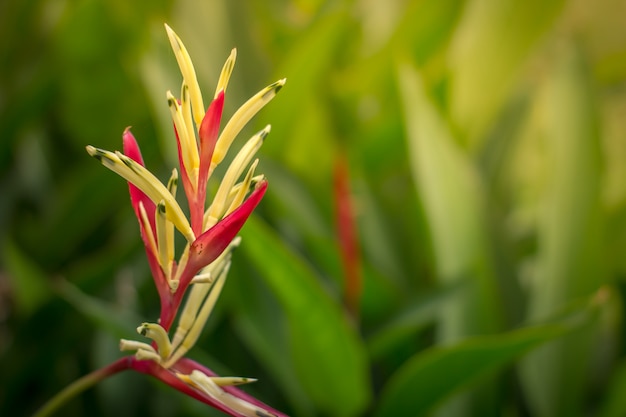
[[171, 100], [128, 138], [261, 184], [131, 147], [97, 153], [173, 37], [230, 381], [279, 84], [266, 131], [142, 329]]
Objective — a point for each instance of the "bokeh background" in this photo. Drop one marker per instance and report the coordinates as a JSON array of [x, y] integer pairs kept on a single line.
[[477, 149]]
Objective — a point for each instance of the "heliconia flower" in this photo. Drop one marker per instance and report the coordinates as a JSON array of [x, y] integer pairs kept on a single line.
[[210, 231]]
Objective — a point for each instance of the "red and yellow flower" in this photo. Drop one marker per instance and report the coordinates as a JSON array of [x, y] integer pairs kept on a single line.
[[210, 232]]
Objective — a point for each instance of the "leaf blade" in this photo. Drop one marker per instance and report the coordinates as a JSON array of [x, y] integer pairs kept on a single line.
[[327, 355]]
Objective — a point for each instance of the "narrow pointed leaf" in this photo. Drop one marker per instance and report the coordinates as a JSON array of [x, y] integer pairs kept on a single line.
[[327, 354], [491, 43], [430, 377], [454, 203], [570, 261], [28, 282]]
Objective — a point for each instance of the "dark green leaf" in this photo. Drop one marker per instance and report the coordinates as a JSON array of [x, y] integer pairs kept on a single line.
[[432, 376]]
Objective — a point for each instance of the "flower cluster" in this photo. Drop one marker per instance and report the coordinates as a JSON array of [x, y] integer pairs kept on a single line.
[[210, 231]]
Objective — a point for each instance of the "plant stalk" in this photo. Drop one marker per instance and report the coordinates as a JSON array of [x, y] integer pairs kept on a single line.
[[81, 385]]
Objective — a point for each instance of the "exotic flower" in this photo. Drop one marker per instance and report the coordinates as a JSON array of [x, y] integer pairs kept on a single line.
[[210, 231]]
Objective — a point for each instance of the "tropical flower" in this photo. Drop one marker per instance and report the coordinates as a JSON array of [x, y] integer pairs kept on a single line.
[[210, 232]]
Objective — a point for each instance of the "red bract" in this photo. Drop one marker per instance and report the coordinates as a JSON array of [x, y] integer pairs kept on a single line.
[[207, 246], [208, 134], [137, 197]]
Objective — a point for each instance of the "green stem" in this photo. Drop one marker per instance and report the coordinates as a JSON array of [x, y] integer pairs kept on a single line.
[[81, 385]]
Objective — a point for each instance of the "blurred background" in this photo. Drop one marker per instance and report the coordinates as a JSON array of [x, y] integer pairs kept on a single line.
[[444, 231]]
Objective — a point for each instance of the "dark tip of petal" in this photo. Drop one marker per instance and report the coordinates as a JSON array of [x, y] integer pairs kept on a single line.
[[127, 162], [263, 133], [278, 85], [93, 152]]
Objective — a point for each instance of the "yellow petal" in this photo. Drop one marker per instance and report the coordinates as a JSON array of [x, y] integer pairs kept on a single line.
[[143, 179], [241, 117], [227, 69], [234, 171], [187, 139], [189, 74]]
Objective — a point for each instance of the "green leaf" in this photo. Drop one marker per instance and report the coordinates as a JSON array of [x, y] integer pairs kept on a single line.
[[301, 122], [454, 204], [118, 323], [263, 328], [420, 313], [269, 351], [570, 260], [326, 353], [29, 284], [425, 25], [430, 377], [454, 200], [615, 403], [492, 41]]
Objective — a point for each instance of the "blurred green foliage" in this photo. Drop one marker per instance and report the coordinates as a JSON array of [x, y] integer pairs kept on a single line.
[[486, 141]]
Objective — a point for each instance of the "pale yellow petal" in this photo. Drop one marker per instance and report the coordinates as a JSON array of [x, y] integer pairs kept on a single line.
[[234, 171], [241, 117], [227, 70], [143, 179], [189, 74]]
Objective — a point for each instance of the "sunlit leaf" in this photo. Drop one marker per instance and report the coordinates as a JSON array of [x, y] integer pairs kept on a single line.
[[570, 260], [451, 191], [454, 202], [301, 121], [492, 41]]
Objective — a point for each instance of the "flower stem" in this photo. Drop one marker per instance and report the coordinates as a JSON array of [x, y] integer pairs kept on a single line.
[[81, 385]]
